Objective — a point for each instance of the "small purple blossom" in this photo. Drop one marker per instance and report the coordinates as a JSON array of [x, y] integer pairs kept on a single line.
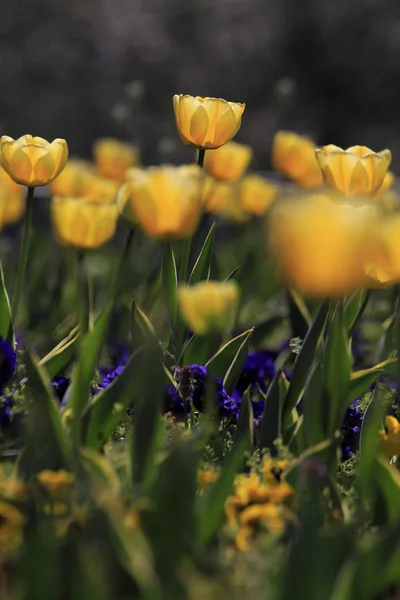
[[8, 360], [258, 370], [60, 386], [351, 429]]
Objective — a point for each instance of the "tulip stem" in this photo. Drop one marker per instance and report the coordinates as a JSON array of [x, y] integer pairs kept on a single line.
[[82, 294], [121, 265], [23, 257], [200, 157], [187, 244]]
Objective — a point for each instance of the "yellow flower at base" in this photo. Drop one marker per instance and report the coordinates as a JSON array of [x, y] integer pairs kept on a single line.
[[357, 170], [33, 161], [206, 123], [209, 306], [228, 163], [294, 156], [113, 158], [11, 526], [382, 263], [165, 201], [390, 440], [12, 206], [319, 245], [256, 194], [83, 223]]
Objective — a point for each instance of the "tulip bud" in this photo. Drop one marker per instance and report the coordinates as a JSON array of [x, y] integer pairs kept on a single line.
[[294, 156], [320, 244], [357, 170], [83, 223], [256, 194], [33, 161], [165, 201], [209, 306], [206, 123], [113, 158], [229, 162]]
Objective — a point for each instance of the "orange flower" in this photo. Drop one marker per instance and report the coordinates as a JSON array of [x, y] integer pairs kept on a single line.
[[294, 156]]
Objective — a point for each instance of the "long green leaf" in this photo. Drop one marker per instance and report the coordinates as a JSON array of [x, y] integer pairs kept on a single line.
[[141, 327], [6, 326], [219, 364], [61, 355], [236, 367], [201, 269], [305, 359], [269, 429], [387, 479], [361, 381], [169, 282], [314, 406], [245, 425]]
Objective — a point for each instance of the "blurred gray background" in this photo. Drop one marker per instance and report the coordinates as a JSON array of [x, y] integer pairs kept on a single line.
[[83, 69]]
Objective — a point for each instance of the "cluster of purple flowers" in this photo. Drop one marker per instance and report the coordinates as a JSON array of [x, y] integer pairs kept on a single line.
[[8, 361], [351, 430]]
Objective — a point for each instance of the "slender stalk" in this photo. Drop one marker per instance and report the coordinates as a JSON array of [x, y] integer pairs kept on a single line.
[[23, 257], [200, 157], [82, 293], [121, 266]]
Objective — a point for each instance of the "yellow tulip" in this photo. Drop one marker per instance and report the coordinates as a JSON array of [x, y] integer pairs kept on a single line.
[[216, 194], [209, 306], [33, 161], [75, 180], [229, 162], [206, 123], [14, 189], [382, 263], [256, 194], [294, 156], [165, 201], [386, 197], [12, 206], [357, 170], [319, 244], [83, 223], [113, 158], [390, 440]]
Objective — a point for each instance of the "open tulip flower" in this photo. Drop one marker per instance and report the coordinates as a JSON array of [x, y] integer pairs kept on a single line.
[[209, 306], [83, 223], [228, 163], [294, 156], [165, 201], [357, 170], [319, 244], [113, 158], [33, 161], [206, 123]]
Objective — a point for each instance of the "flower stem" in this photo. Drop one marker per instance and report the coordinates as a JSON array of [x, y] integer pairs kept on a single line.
[[200, 157], [121, 266], [23, 257], [82, 293]]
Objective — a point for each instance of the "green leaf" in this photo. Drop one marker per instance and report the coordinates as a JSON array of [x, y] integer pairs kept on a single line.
[[148, 372], [88, 357], [236, 367], [58, 359], [219, 364], [6, 326], [245, 425], [315, 406], [232, 274], [198, 349], [169, 282], [269, 429], [321, 451], [201, 269], [141, 327], [387, 480], [354, 308], [336, 372], [47, 444], [266, 328], [299, 315], [211, 506], [100, 468], [305, 359], [108, 408], [361, 381]]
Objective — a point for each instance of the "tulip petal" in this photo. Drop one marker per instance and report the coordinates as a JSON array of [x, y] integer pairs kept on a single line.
[[59, 151], [43, 169], [20, 167], [359, 181], [226, 128], [199, 126]]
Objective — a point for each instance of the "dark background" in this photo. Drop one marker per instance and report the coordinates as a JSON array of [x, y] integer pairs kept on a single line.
[[83, 69]]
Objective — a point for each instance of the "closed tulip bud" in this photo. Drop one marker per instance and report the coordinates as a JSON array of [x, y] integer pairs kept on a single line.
[[320, 244], [206, 123], [357, 170], [83, 223], [12, 206], [228, 163], [113, 158], [33, 161], [256, 194], [209, 306], [294, 156], [165, 201]]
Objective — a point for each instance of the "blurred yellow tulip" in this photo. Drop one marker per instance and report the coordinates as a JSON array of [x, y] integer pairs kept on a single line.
[[357, 170], [216, 194], [209, 306], [165, 201], [14, 189], [33, 161], [83, 223], [206, 123], [389, 443], [256, 194], [113, 158], [319, 244], [228, 163], [294, 156], [382, 263], [75, 180], [12, 206]]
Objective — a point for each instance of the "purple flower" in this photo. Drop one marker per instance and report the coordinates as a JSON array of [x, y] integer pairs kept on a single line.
[[109, 378], [60, 386], [258, 370], [8, 360], [351, 429]]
